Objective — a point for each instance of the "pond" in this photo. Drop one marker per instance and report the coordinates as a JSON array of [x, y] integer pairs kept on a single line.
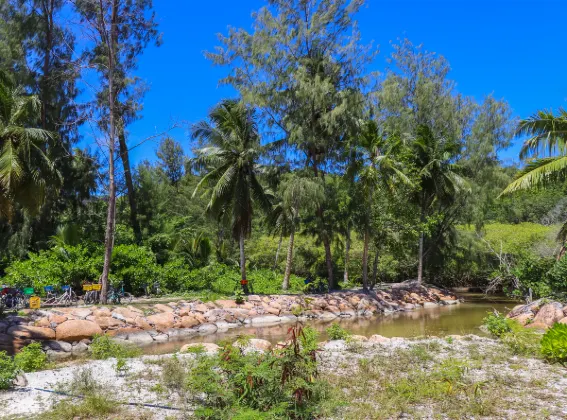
[[465, 318]]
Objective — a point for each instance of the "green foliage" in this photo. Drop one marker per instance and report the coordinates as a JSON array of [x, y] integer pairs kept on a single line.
[[497, 324], [103, 347], [31, 358], [8, 370], [554, 344], [281, 383], [336, 332], [239, 296], [135, 266]]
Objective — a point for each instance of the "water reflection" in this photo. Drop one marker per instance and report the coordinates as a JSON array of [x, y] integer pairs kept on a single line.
[[445, 320]]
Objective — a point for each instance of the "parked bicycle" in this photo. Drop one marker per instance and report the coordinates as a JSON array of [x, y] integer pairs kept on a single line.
[[152, 290], [117, 295], [12, 298], [92, 293], [66, 298]]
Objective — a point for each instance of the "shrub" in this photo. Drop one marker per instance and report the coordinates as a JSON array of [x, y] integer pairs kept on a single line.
[[103, 347], [31, 358], [554, 344], [135, 266], [8, 370], [278, 384], [336, 332], [497, 324]]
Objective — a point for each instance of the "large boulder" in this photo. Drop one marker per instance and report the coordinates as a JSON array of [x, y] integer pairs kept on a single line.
[[162, 321], [524, 318], [549, 314], [163, 308], [188, 322], [28, 331], [254, 345], [76, 330], [376, 338], [209, 348]]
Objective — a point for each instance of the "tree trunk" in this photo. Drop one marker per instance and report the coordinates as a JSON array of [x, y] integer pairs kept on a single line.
[[48, 7], [347, 254], [365, 261], [278, 251], [124, 155], [111, 214], [244, 281], [285, 284], [421, 240], [326, 239], [375, 270]]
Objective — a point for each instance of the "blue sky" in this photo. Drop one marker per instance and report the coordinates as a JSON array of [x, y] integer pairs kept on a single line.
[[514, 49]]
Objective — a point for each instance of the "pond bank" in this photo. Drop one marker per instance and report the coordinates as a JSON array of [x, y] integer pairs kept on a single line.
[[459, 377], [65, 332]]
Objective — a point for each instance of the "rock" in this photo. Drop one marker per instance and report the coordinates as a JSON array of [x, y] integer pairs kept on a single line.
[[188, 322], [141, 338], [43, 322], [124, 313], [254, 344], [524, 318], [135, 310], [288, 319], [327, 316], [108, 322], [163, 308], [80, 348], [200, 308], [430, 305], [563, 320], [75, 330], [376, 338], [358, 338], [57, 346], [81, 313], [58, 356], [269, 309], [181, 333], [209, 348], [225, 304], [538, 326], [335, 345], [162, 321], [118, 316], [142, 322], [20, 380], [27, 331], [449, 301], [102, 312], [264, 320], [207, 329], [161, 338], [549, 314], [57, 319], [254, 298]]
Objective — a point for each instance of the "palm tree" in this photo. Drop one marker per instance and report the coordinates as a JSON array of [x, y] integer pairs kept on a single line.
[[548, 136], [297, 194], [230, 161], [438, 178], [377, 171], [25, 168]]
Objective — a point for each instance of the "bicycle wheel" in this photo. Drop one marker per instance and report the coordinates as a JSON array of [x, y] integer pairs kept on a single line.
[[127, 298]]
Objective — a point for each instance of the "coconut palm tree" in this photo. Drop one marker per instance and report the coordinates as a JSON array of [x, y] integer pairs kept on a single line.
[[377, 170], [229, 160], [296, 194], [25, 169], [545, 151], [438, 179]]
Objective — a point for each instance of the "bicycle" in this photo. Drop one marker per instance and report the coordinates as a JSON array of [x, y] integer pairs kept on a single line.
[[117, 296], [67, 298], [92, 294], [153, 290], [12, 298]]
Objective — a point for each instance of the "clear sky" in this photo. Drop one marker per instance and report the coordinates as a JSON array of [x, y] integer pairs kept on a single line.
[[514, 49]]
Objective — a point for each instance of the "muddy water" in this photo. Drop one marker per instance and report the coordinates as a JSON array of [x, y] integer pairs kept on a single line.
[[443, 320]]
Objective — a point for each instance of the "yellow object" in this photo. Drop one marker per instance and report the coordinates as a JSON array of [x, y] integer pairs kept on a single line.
[[35, 302], [96, 287], [87, 287]]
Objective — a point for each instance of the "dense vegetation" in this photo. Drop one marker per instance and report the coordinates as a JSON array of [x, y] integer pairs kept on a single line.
[[318, 168]]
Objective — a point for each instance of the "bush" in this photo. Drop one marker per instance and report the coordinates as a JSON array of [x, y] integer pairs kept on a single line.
[[31, 358], [103, 347], [281, 383], [336, 332], [554, 344], [135, 266], [8, 370], [497, 324]]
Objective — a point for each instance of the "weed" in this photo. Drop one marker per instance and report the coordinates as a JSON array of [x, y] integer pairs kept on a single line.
[[31, 358], [8, 370], [554, 344], [103, 347], [336, 332]]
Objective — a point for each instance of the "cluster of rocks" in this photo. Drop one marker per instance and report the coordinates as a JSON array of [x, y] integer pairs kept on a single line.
[[540, 314], [68, 331]]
